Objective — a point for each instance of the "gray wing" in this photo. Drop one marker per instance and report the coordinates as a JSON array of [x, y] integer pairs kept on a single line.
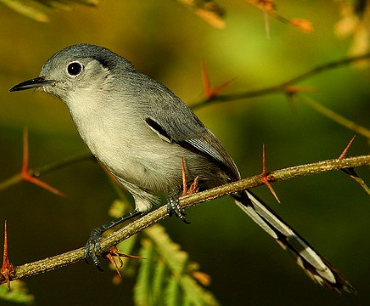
[[175, 122]]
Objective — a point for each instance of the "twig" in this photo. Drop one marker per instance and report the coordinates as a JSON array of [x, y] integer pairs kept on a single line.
[[337, 118], [136, 226], [280, 88], [17, 178]]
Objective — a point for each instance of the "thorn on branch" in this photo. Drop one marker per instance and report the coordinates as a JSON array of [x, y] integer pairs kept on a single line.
[[302, 24], [266, 178], [208, 90], [292, 91], [7, 269], [344, 153], [52, 263], [114, 253], [27, 174], [269, 7], [351, 171], [193, 187]]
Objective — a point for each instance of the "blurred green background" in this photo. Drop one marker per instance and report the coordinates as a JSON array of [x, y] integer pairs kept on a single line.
[[166, 41]]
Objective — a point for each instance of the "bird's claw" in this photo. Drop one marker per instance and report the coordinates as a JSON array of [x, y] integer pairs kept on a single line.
[[174, 208]]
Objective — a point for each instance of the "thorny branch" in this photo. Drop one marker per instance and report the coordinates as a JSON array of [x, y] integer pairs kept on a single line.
[[282, 87], [345, 164], [157, 215], [36, 172]]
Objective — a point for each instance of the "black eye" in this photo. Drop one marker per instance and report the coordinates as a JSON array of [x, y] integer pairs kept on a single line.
[[74, 68]]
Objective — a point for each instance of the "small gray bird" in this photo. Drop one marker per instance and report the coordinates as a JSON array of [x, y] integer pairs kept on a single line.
[[139, 130]]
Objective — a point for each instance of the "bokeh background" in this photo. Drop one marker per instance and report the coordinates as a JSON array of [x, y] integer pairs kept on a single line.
[[167, 41]]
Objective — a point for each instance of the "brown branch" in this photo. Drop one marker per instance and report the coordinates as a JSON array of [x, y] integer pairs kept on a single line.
[[136, 226], [64, 259], [282, 87]]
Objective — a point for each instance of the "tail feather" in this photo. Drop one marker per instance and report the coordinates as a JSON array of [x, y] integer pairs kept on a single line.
[[315, 266]]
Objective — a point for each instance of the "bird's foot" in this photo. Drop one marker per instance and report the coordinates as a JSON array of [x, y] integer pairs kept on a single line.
[[173, 205], [93, 248]]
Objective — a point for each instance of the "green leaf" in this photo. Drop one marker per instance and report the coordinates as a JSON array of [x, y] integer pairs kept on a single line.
[[17, 294], [195, 294], [120, 207], [166, 277], [159, 279], [172, 293], [142, 289], [170, 251]]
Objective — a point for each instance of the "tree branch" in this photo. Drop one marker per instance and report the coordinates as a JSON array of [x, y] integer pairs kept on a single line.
[[140, 224], [282, 87], [51, 167], [131, 229]]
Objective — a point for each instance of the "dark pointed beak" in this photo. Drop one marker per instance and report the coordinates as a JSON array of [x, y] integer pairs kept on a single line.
[[34, 83]]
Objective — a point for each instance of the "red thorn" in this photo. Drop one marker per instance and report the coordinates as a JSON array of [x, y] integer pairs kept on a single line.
[[208, 90], [27, 174], [303, 24], [193, 187], [351, 171], [114, 253], [221, 87], [183, 174], [264, 163], [5, 256], [344, 153], [266, 178], [7, 268]]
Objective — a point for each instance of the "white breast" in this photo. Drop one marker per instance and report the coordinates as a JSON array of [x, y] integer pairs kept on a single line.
[[119, 137]]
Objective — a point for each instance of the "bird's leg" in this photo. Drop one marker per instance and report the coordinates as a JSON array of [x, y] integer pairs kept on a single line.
[[173, 205], [93, 247]]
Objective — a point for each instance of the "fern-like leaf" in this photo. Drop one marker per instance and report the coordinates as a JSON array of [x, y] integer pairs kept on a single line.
[[166, 277]]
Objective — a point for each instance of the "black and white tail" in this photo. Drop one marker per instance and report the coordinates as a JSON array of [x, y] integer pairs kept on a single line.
[[315, 266]]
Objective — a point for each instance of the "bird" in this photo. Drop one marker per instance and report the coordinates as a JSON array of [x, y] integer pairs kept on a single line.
[[140, 130]]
